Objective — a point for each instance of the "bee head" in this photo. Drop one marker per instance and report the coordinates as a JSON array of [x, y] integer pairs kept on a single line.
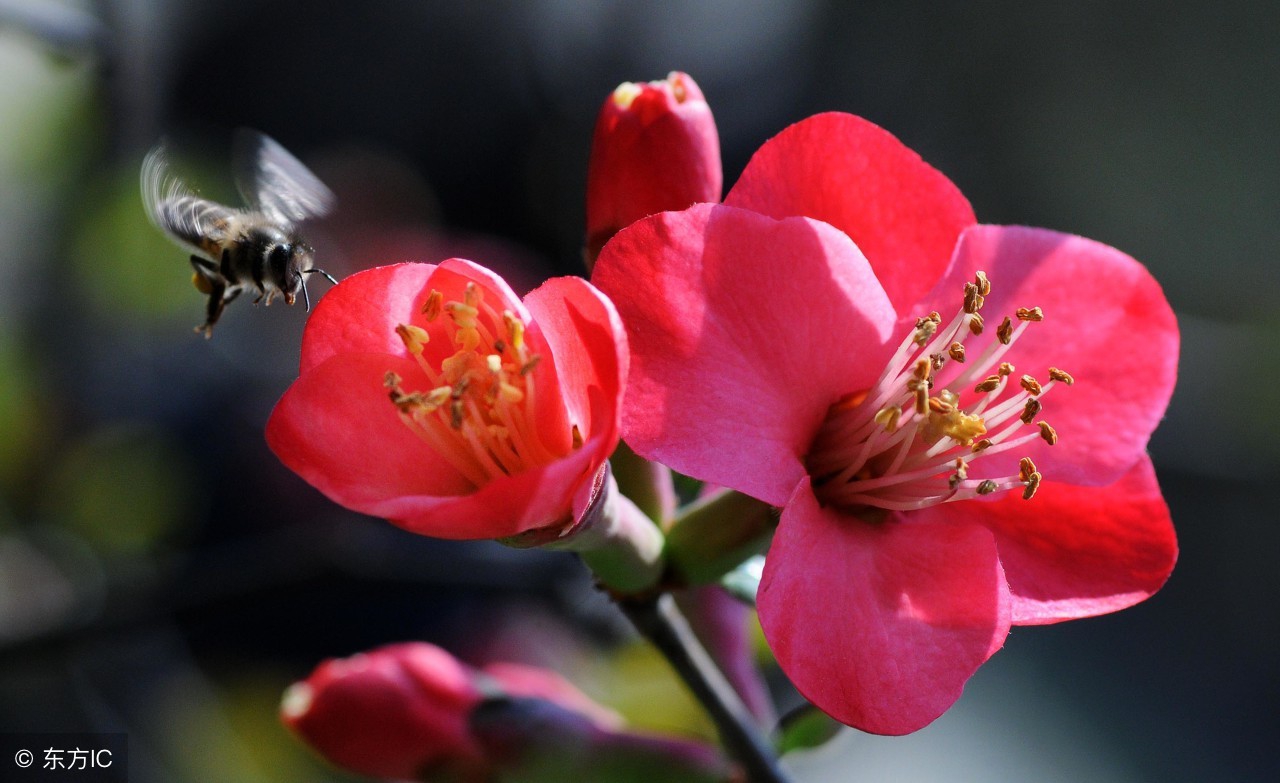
[[288, 262]]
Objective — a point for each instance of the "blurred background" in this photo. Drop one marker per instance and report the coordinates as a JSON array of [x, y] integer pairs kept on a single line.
[[162, 574]]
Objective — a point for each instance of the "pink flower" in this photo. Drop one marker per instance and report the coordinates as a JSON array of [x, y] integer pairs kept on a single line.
[[819, 343], [655, 148], [432, 396], [404, 710]]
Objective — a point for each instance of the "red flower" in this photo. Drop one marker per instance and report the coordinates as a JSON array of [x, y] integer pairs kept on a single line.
[[404, 710], [818, 342], [655, 148], [501, 412]]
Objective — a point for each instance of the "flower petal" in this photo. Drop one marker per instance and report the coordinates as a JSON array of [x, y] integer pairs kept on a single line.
[[1106, 322], [880, 624], [336, 429], [588, 347], [1074, 551], [360, 314], [841, 169], [743, 331]]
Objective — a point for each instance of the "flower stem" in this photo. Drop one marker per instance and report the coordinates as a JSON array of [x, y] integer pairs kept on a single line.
[[659, 621]]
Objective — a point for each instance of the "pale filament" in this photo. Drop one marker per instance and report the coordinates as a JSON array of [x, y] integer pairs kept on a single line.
[[907, 443]]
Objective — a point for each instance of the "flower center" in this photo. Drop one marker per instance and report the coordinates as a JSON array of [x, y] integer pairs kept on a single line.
[[910, 440], [479, 412]]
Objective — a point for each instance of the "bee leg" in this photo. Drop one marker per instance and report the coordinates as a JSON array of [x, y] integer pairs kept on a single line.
[[217, 301], [206, 273]]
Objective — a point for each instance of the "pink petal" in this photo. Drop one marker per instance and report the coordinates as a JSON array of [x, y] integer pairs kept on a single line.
[[1075, 551], [336, 428], [361, 313], [743, 331], [1106, 322], [588, 353], [880, 624], [841, 169]]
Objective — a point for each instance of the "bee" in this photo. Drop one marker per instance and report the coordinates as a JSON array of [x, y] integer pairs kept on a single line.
[[232, 250]]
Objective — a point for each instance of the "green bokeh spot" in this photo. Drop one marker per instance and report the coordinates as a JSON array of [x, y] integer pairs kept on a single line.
[[124, 488]]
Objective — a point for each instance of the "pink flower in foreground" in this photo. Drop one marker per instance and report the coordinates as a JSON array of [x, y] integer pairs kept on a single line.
[[404, 710], [655, 148], [432, 396], [841, 340]]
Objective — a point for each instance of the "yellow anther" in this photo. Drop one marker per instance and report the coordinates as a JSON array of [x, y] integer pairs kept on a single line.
[[1006, 369], [925, 327], [922, 398], [1061, 375], [528, 366], [1030, 314], [962, 473], [1031, 410], [956, 351], [888, 417], [987, 487], [1031, 385], [981, 445], [976, 324], [515, 329], [413, 337], [936, 405], [923, 369], [494, 362]]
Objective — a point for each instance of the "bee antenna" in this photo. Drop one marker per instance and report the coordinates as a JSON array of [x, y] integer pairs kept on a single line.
[[306, 297], [327, 276]]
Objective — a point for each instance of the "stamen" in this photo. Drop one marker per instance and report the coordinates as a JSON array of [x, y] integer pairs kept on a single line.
[[478, 410], [939, 406]]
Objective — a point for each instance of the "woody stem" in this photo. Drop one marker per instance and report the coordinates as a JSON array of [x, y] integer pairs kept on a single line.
[[659, 621]]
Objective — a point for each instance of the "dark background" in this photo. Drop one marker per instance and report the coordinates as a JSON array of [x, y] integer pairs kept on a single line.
[[162, 574]]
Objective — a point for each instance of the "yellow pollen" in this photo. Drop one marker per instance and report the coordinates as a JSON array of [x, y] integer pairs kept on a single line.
[[478, 410], [941, 405], [413, 337]]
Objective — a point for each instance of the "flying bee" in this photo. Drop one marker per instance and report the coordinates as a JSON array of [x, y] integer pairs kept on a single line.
[[257, 248]]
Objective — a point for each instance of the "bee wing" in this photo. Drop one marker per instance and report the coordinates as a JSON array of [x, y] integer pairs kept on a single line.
[[275, 183], [170, 204]]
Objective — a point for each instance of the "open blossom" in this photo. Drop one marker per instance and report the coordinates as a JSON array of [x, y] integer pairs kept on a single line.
[[953, 416], [404, 711], [431, 395], [655, 148]]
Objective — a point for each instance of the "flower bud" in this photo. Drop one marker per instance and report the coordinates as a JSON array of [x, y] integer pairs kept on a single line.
[[395, 712], [655, 149], [405, 711]]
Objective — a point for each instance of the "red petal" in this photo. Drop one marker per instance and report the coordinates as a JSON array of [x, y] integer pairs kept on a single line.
[[880, 624], [361, 313], [336, 429], [743, 331], [841, 169], [1106, 322], [588, 349], [1075, 551]]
